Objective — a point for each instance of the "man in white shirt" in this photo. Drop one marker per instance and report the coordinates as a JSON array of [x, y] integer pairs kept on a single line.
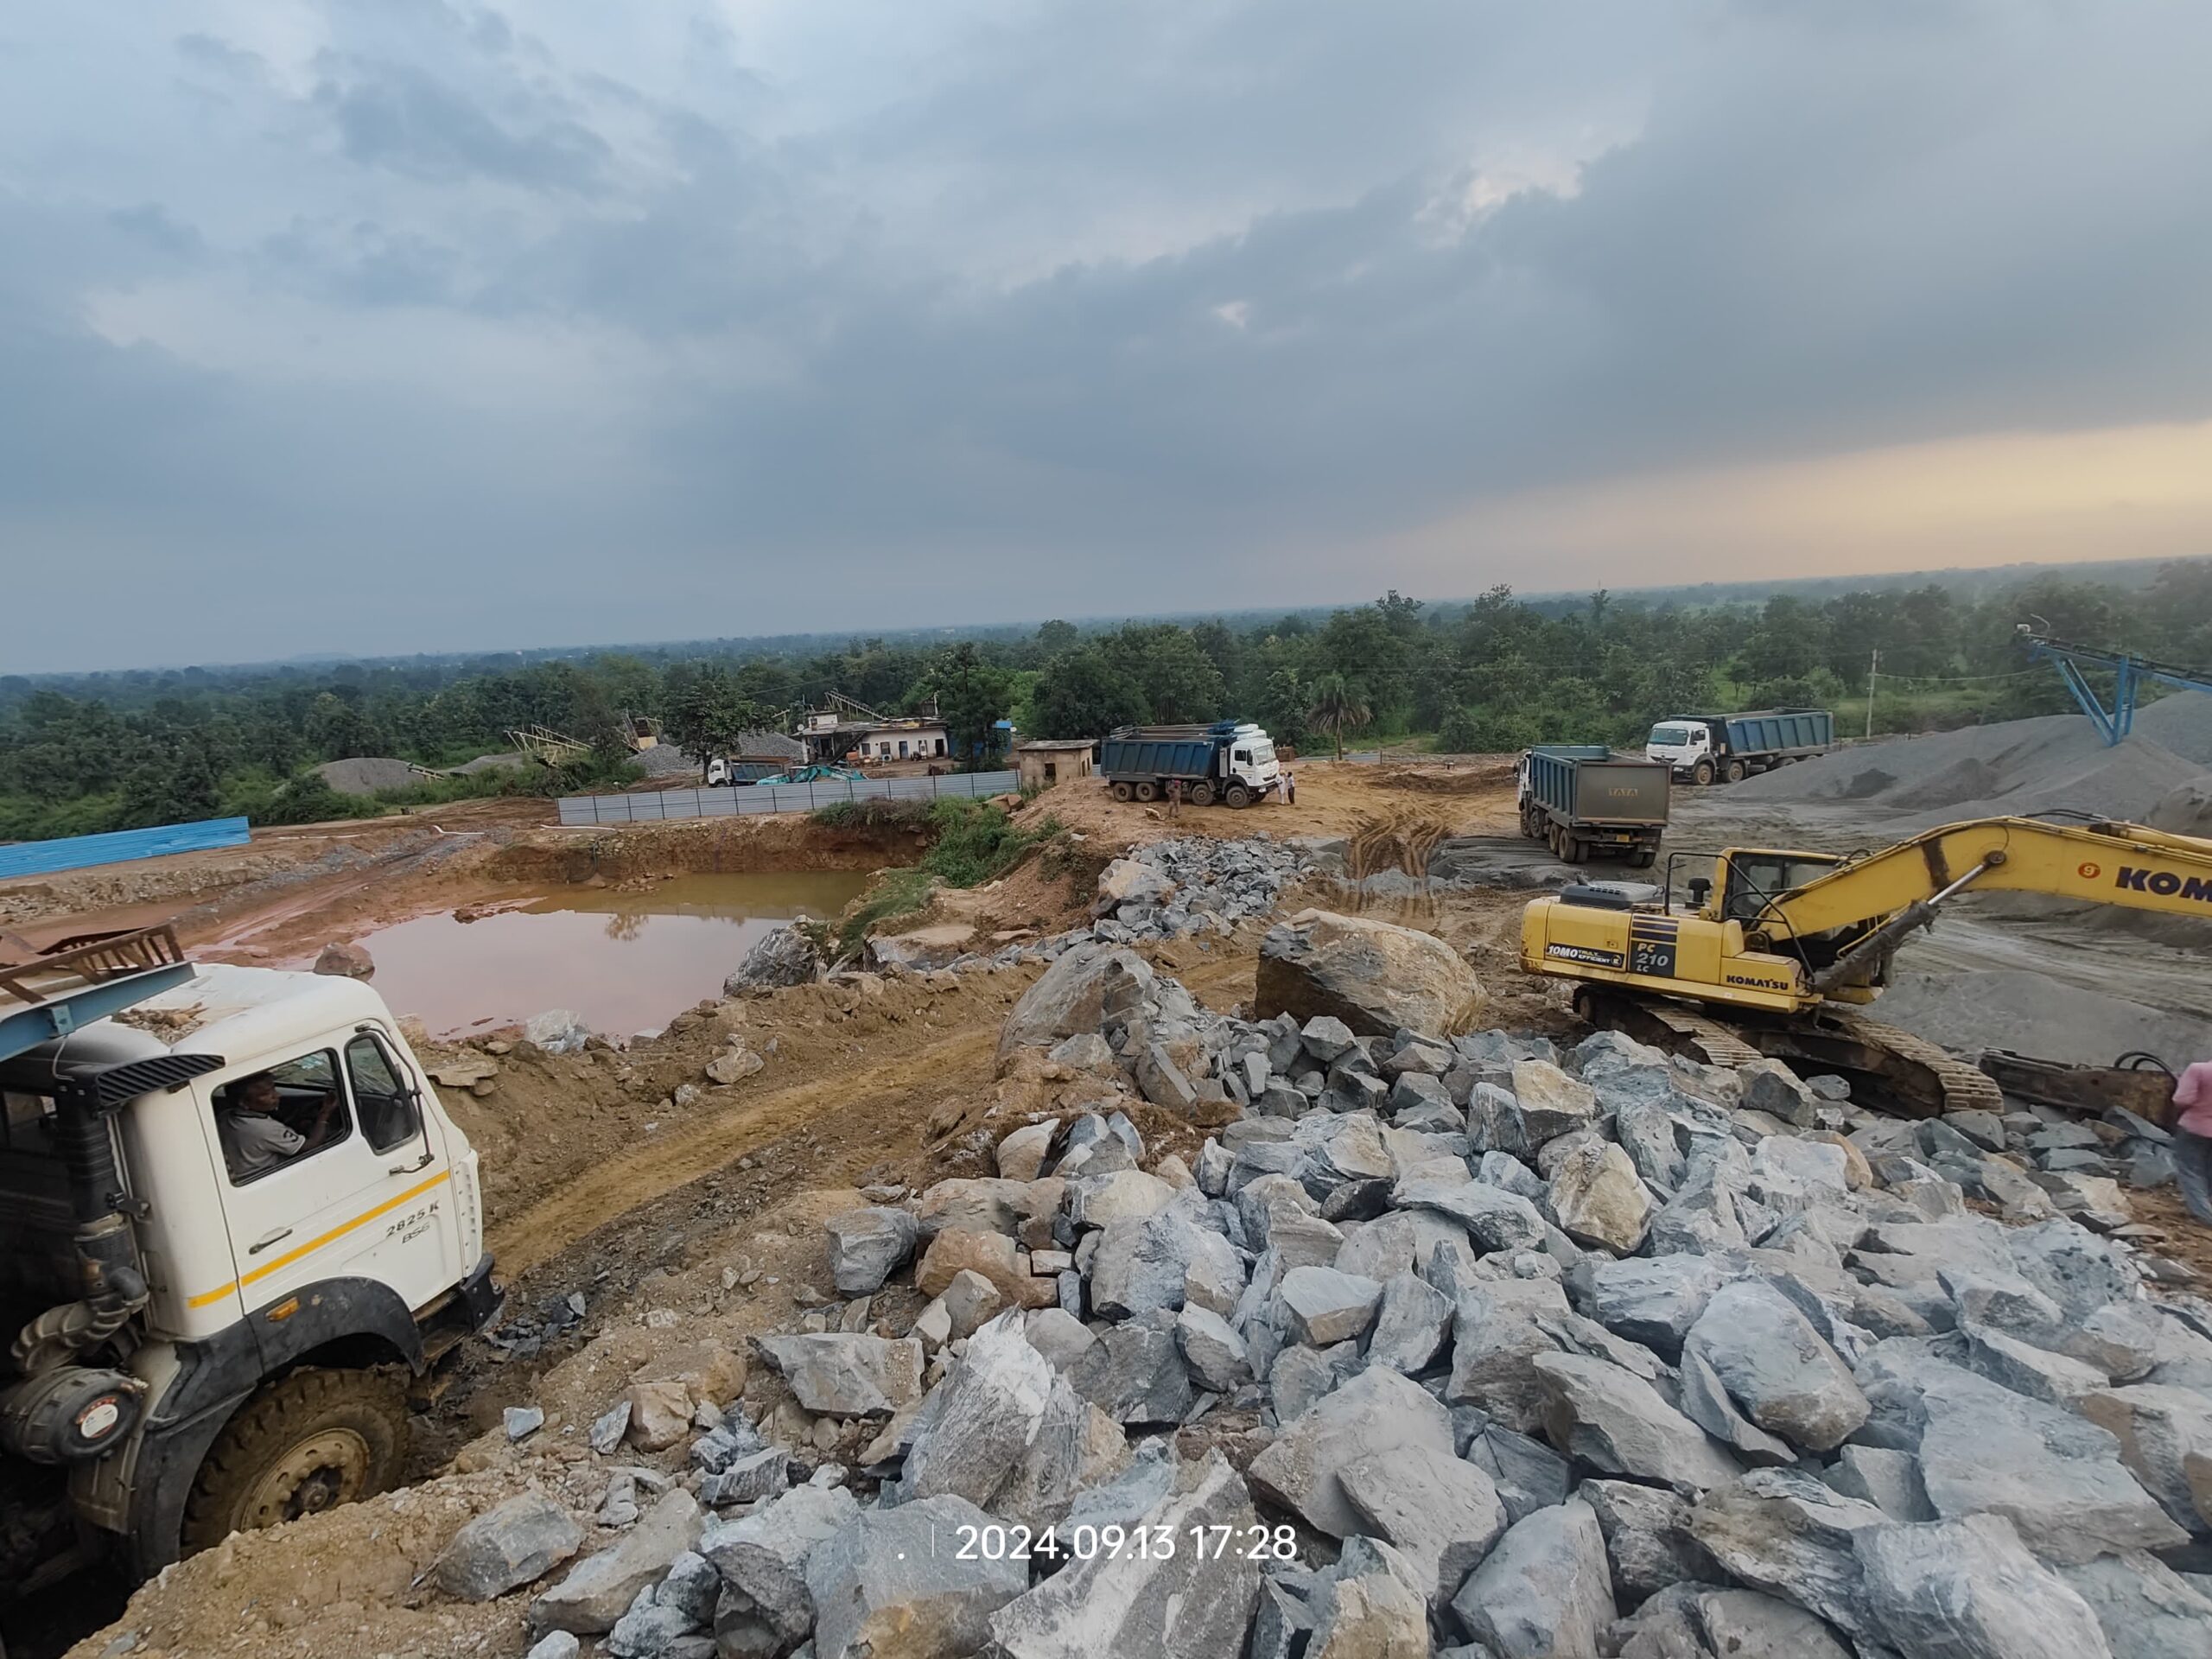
[[253, 1138]]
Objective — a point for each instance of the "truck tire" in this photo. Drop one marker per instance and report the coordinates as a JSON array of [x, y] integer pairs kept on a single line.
[[305, 1443], [1735, 772], [1576, 850], [1701, 773], [1147, 790], [1644, 858], [1201, 793], [1122, 791], [1238, 796]]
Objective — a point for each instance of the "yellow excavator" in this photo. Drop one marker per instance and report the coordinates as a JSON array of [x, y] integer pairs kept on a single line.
[[1779, 952]]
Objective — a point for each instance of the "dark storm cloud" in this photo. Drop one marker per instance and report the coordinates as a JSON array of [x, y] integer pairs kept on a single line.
[[1076, 294]]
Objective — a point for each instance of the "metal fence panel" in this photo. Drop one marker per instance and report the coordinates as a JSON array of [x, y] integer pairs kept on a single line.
[[80, 852], [750, 799]]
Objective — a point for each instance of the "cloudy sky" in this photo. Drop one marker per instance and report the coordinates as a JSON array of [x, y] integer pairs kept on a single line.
[[398, 324]]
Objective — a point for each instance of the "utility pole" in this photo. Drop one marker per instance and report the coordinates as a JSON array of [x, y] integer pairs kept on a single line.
[[1872, 667]]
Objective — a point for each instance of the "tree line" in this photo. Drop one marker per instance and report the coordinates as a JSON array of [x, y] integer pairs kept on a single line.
[[88, 753]]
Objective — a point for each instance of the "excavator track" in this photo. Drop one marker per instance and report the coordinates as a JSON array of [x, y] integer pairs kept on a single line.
[[1899, 1071]]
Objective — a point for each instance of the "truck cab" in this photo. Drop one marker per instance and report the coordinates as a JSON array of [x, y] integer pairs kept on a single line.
[[1685, 744], [235, 1221]]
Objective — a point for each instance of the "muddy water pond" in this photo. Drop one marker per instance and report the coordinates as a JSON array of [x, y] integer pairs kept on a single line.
[[624, 961]]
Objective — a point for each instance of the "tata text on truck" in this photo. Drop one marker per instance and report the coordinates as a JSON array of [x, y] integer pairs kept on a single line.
[[1726, 748], [1226, 761], [212, 1326], [1586, 802]]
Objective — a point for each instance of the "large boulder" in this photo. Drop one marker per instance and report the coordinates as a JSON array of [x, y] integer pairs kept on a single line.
[[1192, 1604], [886, 1583], [1077, 994], [764, 1555], [1612, 1419], [1776, 1366], [847, 1374], [1374, 977], [784, 956], [866, 1246], [522, 1538], [600, 1588], [1378, 1411], [1969, 1589], [1545, 1591]]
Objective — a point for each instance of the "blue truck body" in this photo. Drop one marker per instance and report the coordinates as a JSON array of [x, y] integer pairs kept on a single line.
[[1228, 760], [1586, 802], [1723, 749]]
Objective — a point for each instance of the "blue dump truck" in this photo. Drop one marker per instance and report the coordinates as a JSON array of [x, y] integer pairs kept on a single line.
[[1725, 748], [1229, 761], [1586, 802]]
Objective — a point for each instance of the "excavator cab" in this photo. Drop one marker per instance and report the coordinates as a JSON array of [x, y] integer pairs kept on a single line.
[[1752, 878]]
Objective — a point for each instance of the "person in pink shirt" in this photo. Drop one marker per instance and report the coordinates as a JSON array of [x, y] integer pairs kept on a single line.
[[2193, 1139]]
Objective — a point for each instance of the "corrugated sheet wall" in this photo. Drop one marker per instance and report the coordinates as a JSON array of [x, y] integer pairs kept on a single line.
[[78, 851]]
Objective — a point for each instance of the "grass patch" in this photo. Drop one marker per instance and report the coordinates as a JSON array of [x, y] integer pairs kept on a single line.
[[974, 842], [873, 814]]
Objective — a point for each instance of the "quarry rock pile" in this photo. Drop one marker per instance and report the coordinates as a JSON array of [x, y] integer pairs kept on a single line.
[[1443, 1342]]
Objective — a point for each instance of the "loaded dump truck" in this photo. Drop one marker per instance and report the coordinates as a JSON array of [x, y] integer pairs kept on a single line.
[[1586, 802], [1726, 748], [235, 1221], [1226, 761]]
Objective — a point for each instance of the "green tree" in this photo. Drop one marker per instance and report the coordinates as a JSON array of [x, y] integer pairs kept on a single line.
[[708, 714], [972, 697], [1084, 694], [1336, 705]]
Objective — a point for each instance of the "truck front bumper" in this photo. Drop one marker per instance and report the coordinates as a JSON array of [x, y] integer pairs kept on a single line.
[[477, 1299]]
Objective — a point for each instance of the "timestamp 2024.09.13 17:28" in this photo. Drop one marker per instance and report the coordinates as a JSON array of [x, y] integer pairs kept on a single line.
[[1111, 1542]]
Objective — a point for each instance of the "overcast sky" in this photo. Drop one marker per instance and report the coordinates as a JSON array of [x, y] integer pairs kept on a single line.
[[421, 325]]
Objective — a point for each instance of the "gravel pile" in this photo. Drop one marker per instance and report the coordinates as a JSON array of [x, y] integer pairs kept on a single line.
[[1460, 1344], [1176, 888], [369, 774], [664, 760], [2017, 768]]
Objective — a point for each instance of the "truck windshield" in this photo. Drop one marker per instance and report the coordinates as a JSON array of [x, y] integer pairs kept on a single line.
[[1262, 754], [1671, 737]]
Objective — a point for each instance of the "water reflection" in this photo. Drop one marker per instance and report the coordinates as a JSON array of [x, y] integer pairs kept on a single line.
[[626, 962]]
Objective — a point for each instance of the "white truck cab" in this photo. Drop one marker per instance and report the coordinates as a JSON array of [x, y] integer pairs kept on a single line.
[[1681, 744], [234, 1219], [1252, 759]]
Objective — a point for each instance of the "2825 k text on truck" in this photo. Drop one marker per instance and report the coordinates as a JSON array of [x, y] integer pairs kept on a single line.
[[235, 1224]]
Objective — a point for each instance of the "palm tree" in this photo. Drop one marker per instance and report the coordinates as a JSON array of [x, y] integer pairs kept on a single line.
[[1336, 706]]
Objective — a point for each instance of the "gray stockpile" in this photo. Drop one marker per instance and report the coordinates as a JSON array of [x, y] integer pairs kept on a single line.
[[1450, 1344]]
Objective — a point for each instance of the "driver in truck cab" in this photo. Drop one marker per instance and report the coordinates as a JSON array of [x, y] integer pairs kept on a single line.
[[254, 1138]]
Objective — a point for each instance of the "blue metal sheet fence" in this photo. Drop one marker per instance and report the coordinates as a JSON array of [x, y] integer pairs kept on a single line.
[[79, 852], [746, 800]]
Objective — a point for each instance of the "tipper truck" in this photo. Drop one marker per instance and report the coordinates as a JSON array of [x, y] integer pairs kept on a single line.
[[235, 1221], [1586, 802], [1726, 748], [1226, 761]]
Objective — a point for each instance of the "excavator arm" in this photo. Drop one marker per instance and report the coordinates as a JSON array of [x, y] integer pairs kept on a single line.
[[1877, 901]]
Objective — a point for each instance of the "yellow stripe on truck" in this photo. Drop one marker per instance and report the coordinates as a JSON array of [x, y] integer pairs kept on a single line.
[[314, 1244]]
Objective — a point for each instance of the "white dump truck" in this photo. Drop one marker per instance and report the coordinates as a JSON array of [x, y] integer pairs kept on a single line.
[[235, 1224]]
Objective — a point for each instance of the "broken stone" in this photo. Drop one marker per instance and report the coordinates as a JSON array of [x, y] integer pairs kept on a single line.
[[599, 1589], [1888, 1479], [971, 1301], [1135, 1373], [659, 1413], [749, 1478], [1412, 1325], [1369, 1605], [1495, 1340], [1747, 1623], [1599, 1199], [1442, 1514], [1706, 1403], [1773, 1087], [847, 1375], [1969, 1588], [1647, 1536], [1616, 1422], [1654, 1301], [867, 1246], [504, 1547], [1021, 1155], [2164, 1433], [1550, 1103], [1783, 1531], [1376, 1412], [2147, 1609], [1776, 1367], [764, 1555], [1494, 1219], [895, 1582], [1327, 1307], [1195, 1604], [1213, 1350], [1545, 1592]]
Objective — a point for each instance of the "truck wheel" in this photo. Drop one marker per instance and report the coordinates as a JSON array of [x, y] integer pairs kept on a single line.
[[1735, 772], [1238, 796], [1701, 773], [1202, 794], [1645, 858], [1122, 791], [305, 1443], [1576, 850], [1147, 790]]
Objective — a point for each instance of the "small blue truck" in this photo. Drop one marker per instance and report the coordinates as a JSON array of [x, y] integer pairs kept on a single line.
[[1586, 802], [1727, 748], [1229, 760]]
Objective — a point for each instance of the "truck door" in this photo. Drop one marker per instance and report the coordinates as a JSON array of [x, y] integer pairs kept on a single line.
[[348, 1183]]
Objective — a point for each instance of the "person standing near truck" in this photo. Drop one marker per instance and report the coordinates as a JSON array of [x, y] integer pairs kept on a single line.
[[1290, 788], [1174, 797]]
